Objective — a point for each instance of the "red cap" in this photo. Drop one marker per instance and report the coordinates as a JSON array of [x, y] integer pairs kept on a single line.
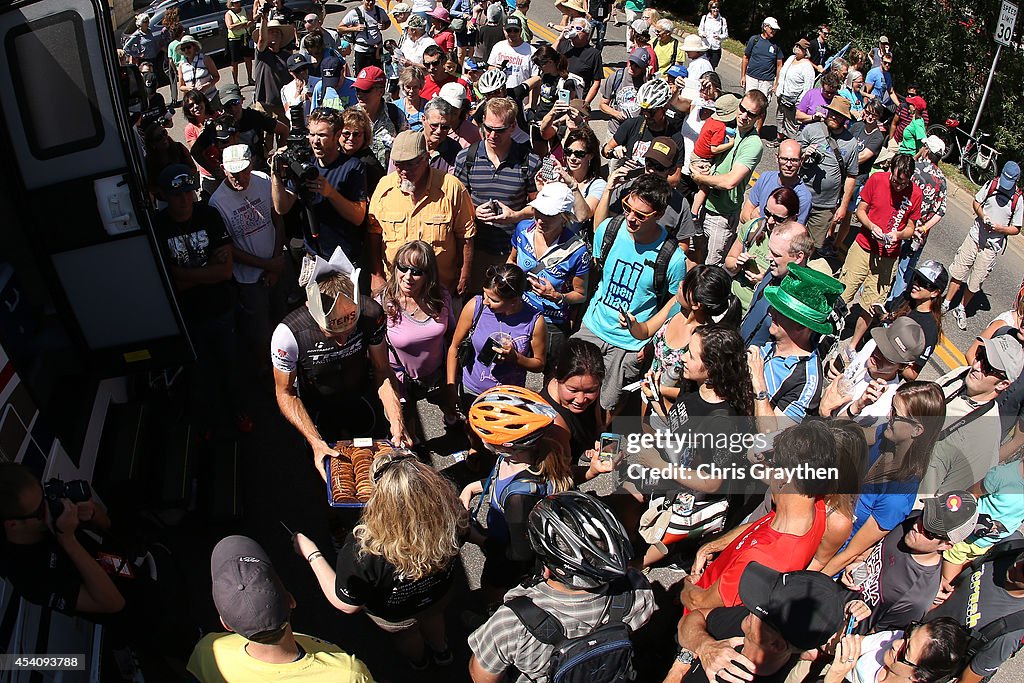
[[369, 77], [918, 102]]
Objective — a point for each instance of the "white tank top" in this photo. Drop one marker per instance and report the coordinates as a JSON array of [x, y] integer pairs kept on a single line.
[[196, 75]]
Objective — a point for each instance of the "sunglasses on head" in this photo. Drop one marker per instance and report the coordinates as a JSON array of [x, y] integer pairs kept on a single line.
[[182, 180], [412, 270]]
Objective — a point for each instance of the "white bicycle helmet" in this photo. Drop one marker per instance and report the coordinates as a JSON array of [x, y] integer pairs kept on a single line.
[[653, 94], [492, 80]]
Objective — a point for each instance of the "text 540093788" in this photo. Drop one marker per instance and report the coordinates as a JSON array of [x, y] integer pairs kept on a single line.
[[42, 662]]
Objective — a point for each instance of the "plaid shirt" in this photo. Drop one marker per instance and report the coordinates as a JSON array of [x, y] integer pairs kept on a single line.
[[504, 643]]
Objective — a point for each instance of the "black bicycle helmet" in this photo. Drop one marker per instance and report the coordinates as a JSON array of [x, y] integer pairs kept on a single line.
[[578, 538]]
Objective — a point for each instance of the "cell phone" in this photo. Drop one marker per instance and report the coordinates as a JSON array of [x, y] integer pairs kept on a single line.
[[547, 169], [609, 446], [487, 353], [635, 172], [563, 96], [493, 207], [851, 621]]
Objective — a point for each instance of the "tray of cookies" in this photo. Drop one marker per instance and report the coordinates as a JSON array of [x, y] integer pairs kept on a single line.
[[349, 483]]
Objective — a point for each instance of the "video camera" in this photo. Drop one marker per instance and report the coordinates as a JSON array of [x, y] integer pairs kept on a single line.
[[56, 490], [297, 154]]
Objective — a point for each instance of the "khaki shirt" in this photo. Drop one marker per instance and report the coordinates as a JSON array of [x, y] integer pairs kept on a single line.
[[443, 216]]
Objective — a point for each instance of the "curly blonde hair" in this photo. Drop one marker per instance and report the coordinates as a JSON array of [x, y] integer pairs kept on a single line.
[[414, 520]]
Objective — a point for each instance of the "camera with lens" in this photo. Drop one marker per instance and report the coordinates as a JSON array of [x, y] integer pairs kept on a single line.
[[296, 157], [812, 157], [56, 490]]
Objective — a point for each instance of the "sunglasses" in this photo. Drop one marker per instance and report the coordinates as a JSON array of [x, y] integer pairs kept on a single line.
[[986, 366], [656, 167], [351, 133], [642, 215], [510, 29], [895, 418], [577, 153], [919, 526], [431, 64], [775, 217], [360, 91], [901, 651], [39, 513], [749, 112], [497, 130], [412, 270]]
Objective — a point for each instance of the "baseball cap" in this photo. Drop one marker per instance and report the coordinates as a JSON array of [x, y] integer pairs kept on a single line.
[[247, 591], [918, 102], [369, 77], [330, 72], [402, 8], [640, 26], [771, 22], [408, 145], [453, 93], [471, 64], [951, 515], [934, 272], [804, 43], [902, 342], [1004, 353], [495, 13], [416, 21], [805, 607], [236, 158], [884, 40], [726, 107], [230, 93], [640, 56], [1010, 175], [935, 145], [178, 179], [513, 22], [664, 151], [553, 199], [676, 71], [297, 62]]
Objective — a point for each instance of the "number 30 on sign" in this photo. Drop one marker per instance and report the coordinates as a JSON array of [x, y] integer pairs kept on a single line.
[[1007, 20]]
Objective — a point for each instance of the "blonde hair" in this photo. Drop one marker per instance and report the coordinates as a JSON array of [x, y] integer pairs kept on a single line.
[[357, 118], [503, 107], [412, 74], [553, 463], [414, 520], [337, 285]]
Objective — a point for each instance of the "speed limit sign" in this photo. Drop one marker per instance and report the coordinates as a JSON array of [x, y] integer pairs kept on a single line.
[[1007, 20]]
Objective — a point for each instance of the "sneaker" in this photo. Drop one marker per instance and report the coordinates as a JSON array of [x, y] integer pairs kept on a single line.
[[945, 307], [960, 317]]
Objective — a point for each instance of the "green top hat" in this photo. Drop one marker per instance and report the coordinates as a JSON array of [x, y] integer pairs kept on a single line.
[[806, 296]]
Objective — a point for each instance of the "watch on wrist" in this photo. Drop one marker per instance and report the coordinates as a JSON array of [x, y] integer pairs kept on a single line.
[[685, 656], [761, 396]]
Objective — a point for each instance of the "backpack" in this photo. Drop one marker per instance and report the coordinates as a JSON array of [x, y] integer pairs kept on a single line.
[[604, 655], [993, 189], [474, 149], [660, 264], [980, 637]]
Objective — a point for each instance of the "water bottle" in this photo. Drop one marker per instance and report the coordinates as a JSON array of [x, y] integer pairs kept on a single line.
[[670, 377]]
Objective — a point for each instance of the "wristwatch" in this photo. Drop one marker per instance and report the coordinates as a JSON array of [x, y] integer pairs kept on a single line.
[[761, 396], [685, 656]]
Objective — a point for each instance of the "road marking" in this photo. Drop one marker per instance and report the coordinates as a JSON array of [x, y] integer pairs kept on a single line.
[[944, 356], [953, 350]]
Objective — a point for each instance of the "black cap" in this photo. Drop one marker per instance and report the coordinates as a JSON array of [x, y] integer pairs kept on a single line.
[[805, 607], [330, 72], [178, 179], [297, 62]]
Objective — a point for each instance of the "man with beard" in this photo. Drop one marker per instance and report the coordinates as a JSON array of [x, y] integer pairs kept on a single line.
[[830, 167], [417, 201]]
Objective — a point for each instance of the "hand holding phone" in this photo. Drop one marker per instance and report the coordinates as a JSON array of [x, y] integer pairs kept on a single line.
[[609, 446]]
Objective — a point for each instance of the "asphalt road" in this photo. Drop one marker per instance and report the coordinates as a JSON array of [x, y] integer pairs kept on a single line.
[[297, 493]]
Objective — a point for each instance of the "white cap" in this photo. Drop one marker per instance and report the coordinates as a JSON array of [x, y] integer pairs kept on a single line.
[[453, 93], [236, 158], [771, 22], [935, 145], [553, 199]]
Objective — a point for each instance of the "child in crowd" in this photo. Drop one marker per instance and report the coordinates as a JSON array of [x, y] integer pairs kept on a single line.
[[714, 140]]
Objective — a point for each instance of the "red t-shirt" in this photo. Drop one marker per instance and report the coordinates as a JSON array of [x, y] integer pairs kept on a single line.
[[761, 543], [711, 134], [888, 211], [445, 40]]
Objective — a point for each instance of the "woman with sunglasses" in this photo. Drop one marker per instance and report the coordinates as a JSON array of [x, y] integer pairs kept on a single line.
[[556, 260], [749, 257], [515, 424], [197, 110], [197, 70], [704, 297], [581, 158], [402, 580], [932, 652], [410, 81], [419, 319], [898, 457], [922, 302], [356, 136]]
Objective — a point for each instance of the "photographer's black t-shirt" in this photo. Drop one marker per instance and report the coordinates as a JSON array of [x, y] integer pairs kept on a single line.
[[251, 127], [724, 623], [42, 573]]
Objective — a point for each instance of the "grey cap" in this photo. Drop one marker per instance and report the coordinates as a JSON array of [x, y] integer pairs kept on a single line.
[[1004, 353], [230, 93], [247, 591]]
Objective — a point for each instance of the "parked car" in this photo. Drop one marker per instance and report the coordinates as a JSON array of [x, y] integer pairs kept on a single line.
[[204, 19]]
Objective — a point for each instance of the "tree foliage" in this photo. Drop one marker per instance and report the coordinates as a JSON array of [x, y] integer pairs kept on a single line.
[[945, 46]]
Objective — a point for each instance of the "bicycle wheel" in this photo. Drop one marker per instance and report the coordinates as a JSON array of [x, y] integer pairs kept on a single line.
[[981, 175], [946, 135]]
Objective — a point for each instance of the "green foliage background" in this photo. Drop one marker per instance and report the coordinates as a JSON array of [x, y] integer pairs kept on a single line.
[[946, 46]]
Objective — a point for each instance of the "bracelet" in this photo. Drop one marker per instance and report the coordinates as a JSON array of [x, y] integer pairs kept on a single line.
[[313, 555]]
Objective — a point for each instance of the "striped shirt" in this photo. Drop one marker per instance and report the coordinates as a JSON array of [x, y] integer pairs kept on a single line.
[[510, 183], [794, 382]]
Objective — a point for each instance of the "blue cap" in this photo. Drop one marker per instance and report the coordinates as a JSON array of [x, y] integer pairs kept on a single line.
[[330, 72], [472, 64], [1010, 175], [678, 71]]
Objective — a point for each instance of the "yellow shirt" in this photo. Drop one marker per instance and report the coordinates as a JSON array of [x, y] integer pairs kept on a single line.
[[221, 658], [442, 216], [667, 54]]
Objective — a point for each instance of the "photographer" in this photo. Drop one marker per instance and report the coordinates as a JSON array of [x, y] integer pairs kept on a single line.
[[44, 556], [251, 126], [336, 197]]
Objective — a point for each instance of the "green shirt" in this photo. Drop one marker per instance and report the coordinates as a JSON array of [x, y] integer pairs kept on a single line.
[[527, 33], [172, 53], [747, 152], [636, 5], [913, 137]]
